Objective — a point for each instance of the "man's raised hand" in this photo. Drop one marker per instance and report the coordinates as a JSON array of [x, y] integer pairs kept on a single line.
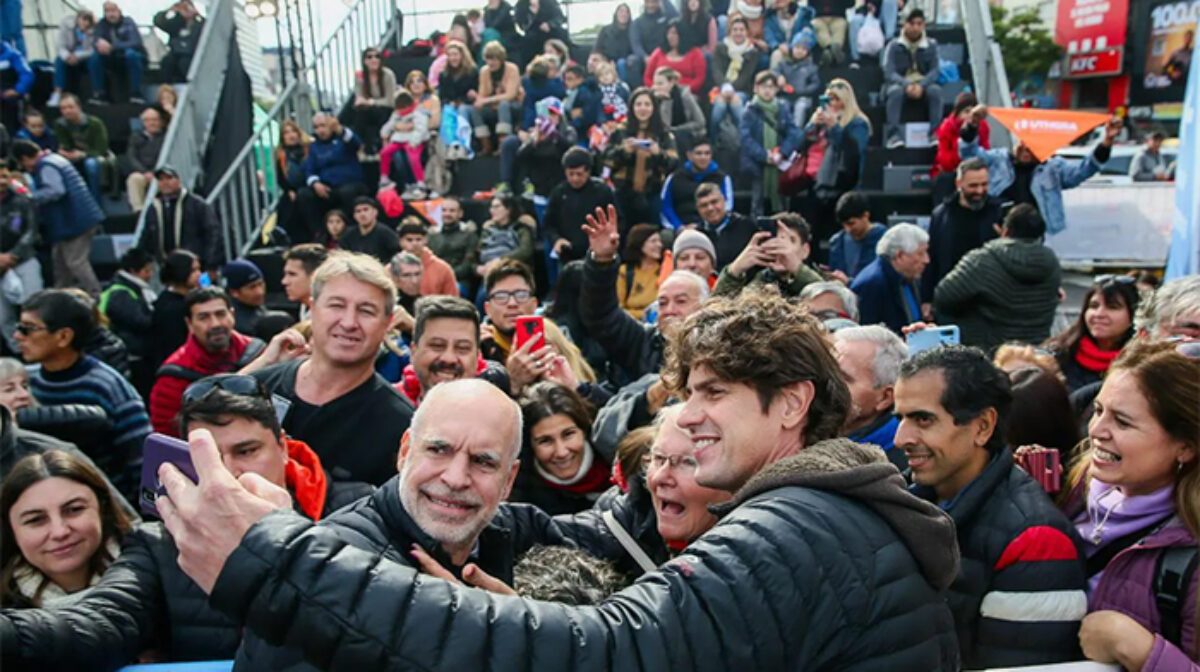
[[602, 233]]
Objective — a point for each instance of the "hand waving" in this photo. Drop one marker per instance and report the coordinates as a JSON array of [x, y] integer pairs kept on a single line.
[[603, 237]]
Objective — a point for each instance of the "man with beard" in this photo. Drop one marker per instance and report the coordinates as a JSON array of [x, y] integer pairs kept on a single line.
[[212, 346], [445, 348], [870, 359], [966, 221]]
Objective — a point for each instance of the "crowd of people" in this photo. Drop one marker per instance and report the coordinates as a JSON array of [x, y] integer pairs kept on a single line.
[[722, 430]]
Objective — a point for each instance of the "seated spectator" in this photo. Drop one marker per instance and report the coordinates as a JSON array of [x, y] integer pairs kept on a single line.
[[540, 21], [1012, 357], [18, 249], [104, 345], [167, 98], [243, 279], [581, 105], [498, 23], [768, 137], [336, 385], [178, 218], [614, 93], [966, 110], [1006, 290], [784, 22], [870, 359], [755, 15], [141, 156], [641, 154], [637, 282], [374, 95], [962, 223], [910, 70], [888, 288], [846, 131], [180, 274], [533, 158], [853, 248], [734, 63], [1149, 165], [456, 243], [427, 99], [729, 231], [214, 345], [830, 300], [437, 276], [499, 95], [1019, 553], [17, 83], [687, 62], [1088, 347], [830, 24], [647, 34], [290, 155], [507, 235], [570, 202], [679, 197], [613, 42], [54, 328], [773, 259], [119, 46], [799, 78], [127, 304], [51, 501], [299, 264], [1173, 311], [511, 293], [370, 236], [76, 48], [83, 140], [697, 27], [333, 174], [1041, 412], [1131, 494], [457, 88], [67, 215], [693, 251], [332, 229], [183, 23], [460, 31], [560, 471], [680, 112], [540, 82], [37, 131], [406, 132]]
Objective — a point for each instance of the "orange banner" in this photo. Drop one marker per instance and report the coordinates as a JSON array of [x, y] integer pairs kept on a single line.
[[1046, 131]]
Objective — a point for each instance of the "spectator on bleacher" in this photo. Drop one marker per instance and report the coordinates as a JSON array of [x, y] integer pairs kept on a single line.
[[966, 110], [244, 282], [427, 99], [54, 327], [888, 289], [853, 247], [570, 202], [614, 93], [5, 141], [539, 21], [499, 24], [83, 139], [299, 264], [67, 215], [647, 33], [637, 281], [456, 243], [1087, 348], [167, 98], [870, 359], [511, 293], [456, 88], [406, 272], [18, 80], [374, 95], [180, 273], [768, 137], [561, 55], [37, 131], [1149, 164], [784, 22], [333, 174], [119, 47], [183, 23], [18, 248], [830, 300], [538, 84], [778, 259], [729, 231], [641, 154], [799, 77], [369, 235], [581, 106], [680, 111], [830, 25], [734, 63], [688, 62], [499, 95], [179, 218], [290, 155], [697, 27], [437, 276], [845, 131], [693, 251], [755, 15], [405, 133], [332, 228], [679, 206], [613, 42], [127, 304], [142, 155], [460, 31], [910, 71], [963, 222], [104, 344], [1007, 290], [76, 47], [536, 154], [507, 235]]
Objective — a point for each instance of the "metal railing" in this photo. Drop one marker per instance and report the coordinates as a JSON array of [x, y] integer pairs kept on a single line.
[[246, 194], [987, 63]]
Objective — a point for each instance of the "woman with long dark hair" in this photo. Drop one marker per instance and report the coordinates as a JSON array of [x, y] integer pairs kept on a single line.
[[641, 153], [560, 471], [637, 283], [1087, 348], [374, 90], [613, 40], [180, 273], [697, 27], [290, 154], [689, 62]]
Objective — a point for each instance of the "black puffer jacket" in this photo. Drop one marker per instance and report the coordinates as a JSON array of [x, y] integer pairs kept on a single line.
[[635, 347], [633, 511], [824, 562], [381, 527], [1019, 594]]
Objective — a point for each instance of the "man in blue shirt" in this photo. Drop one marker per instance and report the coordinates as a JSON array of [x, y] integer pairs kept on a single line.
[[852, 248], [870, 359], [887, 287]]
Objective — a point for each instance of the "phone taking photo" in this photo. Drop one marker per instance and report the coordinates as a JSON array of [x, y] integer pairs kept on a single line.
[[927, 339], [531, 328], [160, 449], [767, 224]]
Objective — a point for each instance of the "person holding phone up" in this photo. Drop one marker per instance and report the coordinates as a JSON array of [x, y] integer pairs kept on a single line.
[[775, 255]]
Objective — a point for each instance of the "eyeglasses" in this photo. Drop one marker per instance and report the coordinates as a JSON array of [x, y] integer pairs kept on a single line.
[[25, 329], [521, 295], [1190, 350], [656, 461], [233, 383], [1112, 278]]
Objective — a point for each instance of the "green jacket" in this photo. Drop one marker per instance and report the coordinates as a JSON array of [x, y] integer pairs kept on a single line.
[[458, 248], [729, 284], [1006, 290], [91, 137]]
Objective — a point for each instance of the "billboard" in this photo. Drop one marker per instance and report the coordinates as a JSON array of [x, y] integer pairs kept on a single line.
[[1166, 38], [1085, 26]]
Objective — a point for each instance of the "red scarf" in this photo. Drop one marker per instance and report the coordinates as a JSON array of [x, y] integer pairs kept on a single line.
[[305, 478], [596, 480], [410, 385], [1091, 357]]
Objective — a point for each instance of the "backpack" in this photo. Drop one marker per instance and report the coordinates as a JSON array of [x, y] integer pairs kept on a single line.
[[1172, 576], [870, 36]]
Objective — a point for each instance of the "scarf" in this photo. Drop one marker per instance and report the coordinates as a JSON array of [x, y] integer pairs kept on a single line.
[[610, 96], [1114, 515], [45, 594], [305, 478], [770, 139], [678, 113], [736, 57], [1092, 358], [750, 12]]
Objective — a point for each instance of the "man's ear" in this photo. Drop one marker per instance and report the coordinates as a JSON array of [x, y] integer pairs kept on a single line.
[[512, 477], [797, 398], [405, 444], [985, 426], [64, 336], [887, 400]]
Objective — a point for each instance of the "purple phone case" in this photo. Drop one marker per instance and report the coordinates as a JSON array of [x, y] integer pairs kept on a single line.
[[161, 448]]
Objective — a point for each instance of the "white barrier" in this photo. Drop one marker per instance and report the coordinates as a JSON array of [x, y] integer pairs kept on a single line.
[[1116, 225]]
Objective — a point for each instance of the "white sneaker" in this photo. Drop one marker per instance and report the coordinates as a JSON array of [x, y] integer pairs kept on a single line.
[[895, 142], [54, 99], [385, 182]]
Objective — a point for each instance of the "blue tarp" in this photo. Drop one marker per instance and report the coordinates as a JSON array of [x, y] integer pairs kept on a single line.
[[205, 666], [1184, 255]]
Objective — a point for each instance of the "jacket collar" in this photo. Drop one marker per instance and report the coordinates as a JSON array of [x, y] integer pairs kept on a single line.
[[203, 360], [978, 492]]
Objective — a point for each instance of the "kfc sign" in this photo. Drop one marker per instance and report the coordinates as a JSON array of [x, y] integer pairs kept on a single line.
[[1086, 26], [1094, 65]]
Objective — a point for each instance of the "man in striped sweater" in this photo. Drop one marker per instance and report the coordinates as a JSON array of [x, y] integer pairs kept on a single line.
[[53, 328]]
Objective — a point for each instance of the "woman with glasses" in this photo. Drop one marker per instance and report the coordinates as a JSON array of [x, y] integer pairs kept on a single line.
[[1087, 348], [374, 91], [560, 470]]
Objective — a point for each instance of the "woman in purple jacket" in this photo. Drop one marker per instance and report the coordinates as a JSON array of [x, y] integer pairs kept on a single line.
[[1135, 499]]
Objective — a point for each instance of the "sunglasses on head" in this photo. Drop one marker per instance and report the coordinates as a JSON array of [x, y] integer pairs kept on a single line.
[[1114, 279], [233, 383]]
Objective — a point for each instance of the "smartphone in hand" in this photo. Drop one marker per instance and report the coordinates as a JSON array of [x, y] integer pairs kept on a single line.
[[767, 224], [927, 339], [158, 449], [531, 328]]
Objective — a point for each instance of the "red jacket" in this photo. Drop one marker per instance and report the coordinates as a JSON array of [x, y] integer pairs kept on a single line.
[[410, 385], [947, 159], [437, 277], [190, 363]]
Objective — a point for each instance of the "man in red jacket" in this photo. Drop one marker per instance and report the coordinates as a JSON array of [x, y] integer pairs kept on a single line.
[[212, 346]]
